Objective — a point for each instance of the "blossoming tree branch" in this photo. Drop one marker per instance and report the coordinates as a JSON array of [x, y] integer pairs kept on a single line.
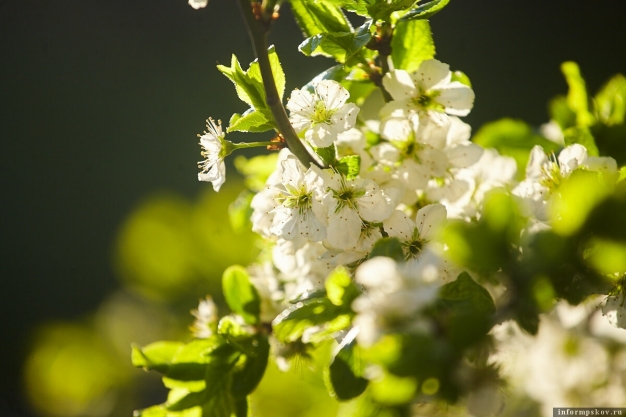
[[431, 260]]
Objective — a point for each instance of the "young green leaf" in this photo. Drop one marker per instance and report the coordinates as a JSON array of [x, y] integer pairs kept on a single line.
[[249, 91], [382, 10], [345, 373], [240, 294], [246, 378], [319, 17], [581, 135], [577, 95], [512, 138], [154, 411], [254, 72], [388, 246], [465, 289], [426, 10], [338, 45], [610, 102], [340, 288], [411, 44], [349, 166], [252, 121], [291, 323], [155, 356]]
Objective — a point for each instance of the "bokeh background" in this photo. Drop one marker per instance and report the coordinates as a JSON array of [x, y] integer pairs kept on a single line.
[[108, 238]]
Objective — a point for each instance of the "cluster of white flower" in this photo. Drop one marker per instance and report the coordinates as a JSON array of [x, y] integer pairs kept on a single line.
[[576, 359], [420, 170]]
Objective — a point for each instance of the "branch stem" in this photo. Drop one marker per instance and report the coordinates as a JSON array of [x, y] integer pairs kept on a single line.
[[258, 29]]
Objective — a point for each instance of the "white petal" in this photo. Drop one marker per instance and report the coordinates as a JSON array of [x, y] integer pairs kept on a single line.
[[432, 73], [572, 157], [399, 85], [536, 162], [332, 94], [399, 129], [430, 219], [399, 225], [344, 228], [462, 156], [457, 98], [345, 117]]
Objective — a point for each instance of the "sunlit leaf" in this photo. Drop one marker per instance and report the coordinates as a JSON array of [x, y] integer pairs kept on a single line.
[[345, 372], [241, 295], [411, 44], [319, 17], [425, 10]]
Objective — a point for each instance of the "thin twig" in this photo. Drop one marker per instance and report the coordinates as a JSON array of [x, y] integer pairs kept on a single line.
[[258, 29]]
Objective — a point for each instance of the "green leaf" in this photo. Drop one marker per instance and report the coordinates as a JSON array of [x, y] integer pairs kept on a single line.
[[561, 113], [291, 323], [239, 212], [328, 154], [249, 85], [345, 372], [512, 138], [461, 77], [154, 411], [338, 45], [241, 407], [485, 246], [411, 44], [466, 309], [349, 166], [248, 90], [189, 363], [335, 73], [241, 296], [583, 136], [382, 10], [319, 17], [256, 170], [340, 288], [389, 247], [254, 73], [426, 10], [246, 379], [610, 102], [577, 95], [155, 356], [465, 289], [252, 121], [186, 401]]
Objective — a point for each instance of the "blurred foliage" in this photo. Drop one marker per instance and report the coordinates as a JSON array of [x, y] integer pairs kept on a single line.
[[169, 249]]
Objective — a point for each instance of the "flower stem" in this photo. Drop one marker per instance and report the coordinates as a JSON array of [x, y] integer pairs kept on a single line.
[[243, 145], [258, 30]]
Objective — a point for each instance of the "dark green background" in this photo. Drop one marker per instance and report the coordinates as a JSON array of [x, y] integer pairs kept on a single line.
[[101, 101]]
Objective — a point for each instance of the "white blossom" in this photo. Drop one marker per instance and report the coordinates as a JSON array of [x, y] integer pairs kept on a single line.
[[298, 212], [206, 318], [615, 311], [428, 91], [198, 4], [214, 151], [392, 298], [351, 202], [322, 115]]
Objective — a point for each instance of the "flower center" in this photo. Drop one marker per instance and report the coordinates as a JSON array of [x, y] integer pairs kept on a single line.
[[321, 114], [346, 196], [301, 199], [426, 101], [552, 176]]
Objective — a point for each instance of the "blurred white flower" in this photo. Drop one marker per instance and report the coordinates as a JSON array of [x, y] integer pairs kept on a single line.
[[614, 310], [206, 319], [198, 4]]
